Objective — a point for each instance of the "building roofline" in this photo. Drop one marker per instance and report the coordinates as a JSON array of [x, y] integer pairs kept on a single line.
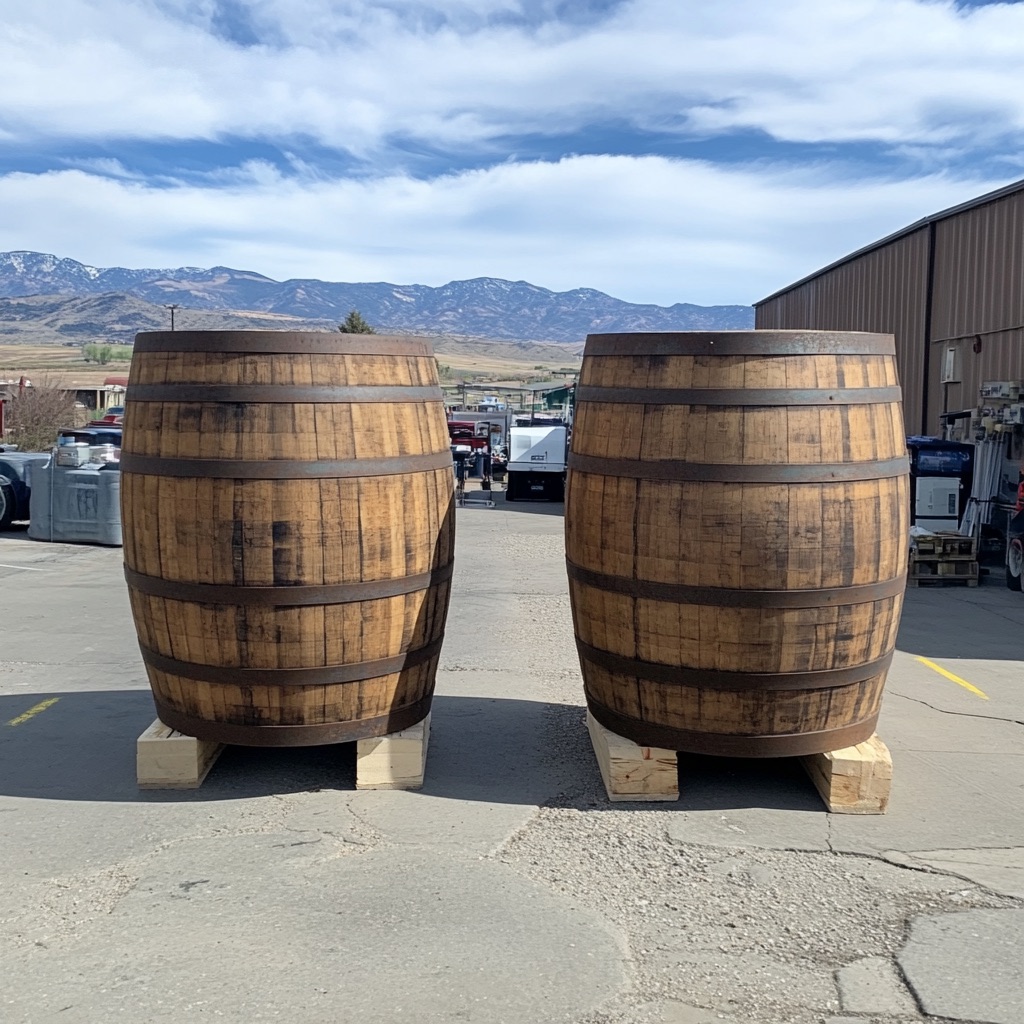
[[989, 197]]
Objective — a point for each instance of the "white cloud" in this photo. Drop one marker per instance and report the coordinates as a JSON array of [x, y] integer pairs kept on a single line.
[[458, 77], [455, 73], [643, 229]]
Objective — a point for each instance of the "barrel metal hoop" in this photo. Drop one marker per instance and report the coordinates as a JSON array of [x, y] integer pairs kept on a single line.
[[283, 469], [727, 597], [285, 596], [656, 734], [744, 397], [283, 393], [326, 675], [741, 343], [293, 735], [282, 343], [715, 679], [678, 470]]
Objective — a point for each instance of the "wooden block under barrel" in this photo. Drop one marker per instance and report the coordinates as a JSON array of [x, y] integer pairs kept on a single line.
[[396, 761], [630, 771], [854, 780], [168, 759]]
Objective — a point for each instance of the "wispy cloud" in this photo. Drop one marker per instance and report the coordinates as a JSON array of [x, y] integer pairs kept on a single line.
[[643, 228], [353, 75]]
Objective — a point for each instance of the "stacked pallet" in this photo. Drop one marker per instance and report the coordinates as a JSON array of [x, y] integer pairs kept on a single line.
[[943, 558]]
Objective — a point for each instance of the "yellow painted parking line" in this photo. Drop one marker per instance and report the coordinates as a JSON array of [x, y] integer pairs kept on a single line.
[[33, 711], [956, 679]]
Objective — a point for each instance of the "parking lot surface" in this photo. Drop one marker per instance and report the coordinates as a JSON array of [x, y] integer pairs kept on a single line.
[[508, 890]]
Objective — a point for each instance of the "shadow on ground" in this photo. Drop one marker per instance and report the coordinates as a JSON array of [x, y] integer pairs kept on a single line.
[[82, 747], [529, 506], [955, 621]]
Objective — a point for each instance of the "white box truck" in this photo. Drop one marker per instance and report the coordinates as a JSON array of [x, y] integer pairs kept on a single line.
[[536, 463]]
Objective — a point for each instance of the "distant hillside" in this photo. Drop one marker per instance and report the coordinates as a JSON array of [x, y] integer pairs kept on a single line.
[[484, 307], [56, 320], [49, 319]]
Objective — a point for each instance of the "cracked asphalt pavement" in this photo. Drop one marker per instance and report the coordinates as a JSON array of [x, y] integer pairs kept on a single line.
[[508, 890]]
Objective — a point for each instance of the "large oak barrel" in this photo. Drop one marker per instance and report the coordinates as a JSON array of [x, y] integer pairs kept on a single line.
[[288, 518], [736, 537]]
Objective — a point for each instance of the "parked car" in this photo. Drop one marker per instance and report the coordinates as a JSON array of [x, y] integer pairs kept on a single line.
[[113, 417], [90, 435], [14, 487]]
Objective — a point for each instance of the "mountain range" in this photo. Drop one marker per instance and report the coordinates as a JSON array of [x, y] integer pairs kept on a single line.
[[484, 307]]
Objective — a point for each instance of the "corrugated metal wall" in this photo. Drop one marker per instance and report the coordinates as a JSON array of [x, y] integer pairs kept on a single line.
[[883, 290], [979, 290]]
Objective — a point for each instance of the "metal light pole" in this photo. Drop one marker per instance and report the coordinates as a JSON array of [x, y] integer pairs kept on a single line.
[[172, 307]]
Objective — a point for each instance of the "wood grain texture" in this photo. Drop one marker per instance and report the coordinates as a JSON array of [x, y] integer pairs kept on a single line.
[[743, 543], [397, 761], [632, 772], [854, 780], [166, 759], [288, 533]]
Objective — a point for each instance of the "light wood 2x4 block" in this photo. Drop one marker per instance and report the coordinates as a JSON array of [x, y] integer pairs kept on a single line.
[[854, 780], [167, 759]]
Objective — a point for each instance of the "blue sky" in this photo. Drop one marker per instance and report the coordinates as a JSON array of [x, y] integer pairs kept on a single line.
[[659, 150]]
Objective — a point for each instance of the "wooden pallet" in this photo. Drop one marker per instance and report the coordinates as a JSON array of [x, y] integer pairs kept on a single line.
[[945, 545], [854, 780], [931, 579], [925, 568], [167, 759]]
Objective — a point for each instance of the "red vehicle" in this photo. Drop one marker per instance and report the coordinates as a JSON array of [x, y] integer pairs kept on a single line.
[[113, 417], [463, 432]]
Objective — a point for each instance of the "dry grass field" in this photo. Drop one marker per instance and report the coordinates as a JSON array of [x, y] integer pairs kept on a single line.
[[54, 364], [466, 359]]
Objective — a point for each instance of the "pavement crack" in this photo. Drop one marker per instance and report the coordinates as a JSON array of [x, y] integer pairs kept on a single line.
[[958, 714]]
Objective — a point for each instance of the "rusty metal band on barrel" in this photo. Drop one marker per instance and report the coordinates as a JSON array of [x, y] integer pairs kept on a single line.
[[711, 472], [716, 679], [293, 735], [285, 596], [283, 469], [742, 343], [737, 397], [289, 394], [796, 744], [321, 675], [281, 343], [727, 597]]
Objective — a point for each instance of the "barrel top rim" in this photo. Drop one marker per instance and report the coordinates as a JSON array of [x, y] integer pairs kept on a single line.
[[741, 342], [284, 342]]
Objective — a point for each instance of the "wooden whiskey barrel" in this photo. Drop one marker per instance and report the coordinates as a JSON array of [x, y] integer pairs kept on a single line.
[[288, 518], [736, 537]]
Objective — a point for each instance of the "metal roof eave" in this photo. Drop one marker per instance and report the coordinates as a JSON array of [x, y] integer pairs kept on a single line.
[[989, 197]]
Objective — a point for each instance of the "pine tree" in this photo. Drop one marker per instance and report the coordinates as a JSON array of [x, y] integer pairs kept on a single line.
[[355, 324]]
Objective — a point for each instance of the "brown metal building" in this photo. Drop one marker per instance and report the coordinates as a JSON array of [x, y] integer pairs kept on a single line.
[[950, 288]]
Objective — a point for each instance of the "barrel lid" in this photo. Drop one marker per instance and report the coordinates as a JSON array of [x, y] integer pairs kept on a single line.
[[283, 343], [740, 343]]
